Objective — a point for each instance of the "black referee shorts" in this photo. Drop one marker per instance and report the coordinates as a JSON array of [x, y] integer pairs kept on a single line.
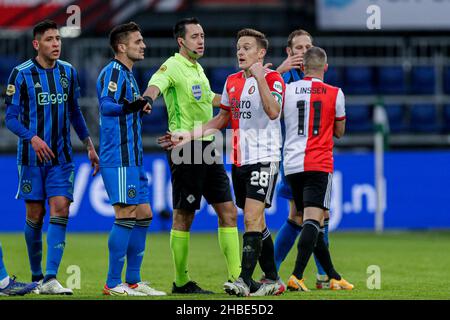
[[311, 189], [191, 180]]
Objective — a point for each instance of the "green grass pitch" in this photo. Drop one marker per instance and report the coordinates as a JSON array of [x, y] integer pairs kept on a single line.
[[413, 265]]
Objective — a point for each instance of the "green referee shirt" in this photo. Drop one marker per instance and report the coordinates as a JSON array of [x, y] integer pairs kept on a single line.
[[186, 91]]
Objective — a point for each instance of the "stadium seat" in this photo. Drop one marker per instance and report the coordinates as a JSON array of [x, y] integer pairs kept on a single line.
[[143, 75], [359, 80], [218, 76], [447, 80], [396, 116], [156, 122], [446, 118], [6, 66], [391, 80], [334, 77], [83, 79], [359, 118], [424, 118], [423, 80]]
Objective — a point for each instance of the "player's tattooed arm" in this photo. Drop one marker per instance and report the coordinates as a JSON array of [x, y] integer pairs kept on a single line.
[[220, 121], [92, 155]]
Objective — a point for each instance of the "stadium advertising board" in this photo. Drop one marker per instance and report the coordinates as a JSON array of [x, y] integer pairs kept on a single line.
[[393, 14], [417, 198]]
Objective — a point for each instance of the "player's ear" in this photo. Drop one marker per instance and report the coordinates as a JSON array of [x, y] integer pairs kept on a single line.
[[35, 44], [325, 69], [262, 53], [122, 47], [180, 41]]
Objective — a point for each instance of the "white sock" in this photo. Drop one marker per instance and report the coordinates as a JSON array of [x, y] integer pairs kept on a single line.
[[4, 283]]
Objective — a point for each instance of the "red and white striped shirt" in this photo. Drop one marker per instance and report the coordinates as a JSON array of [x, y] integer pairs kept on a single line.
[[311, 107], [256, 138]]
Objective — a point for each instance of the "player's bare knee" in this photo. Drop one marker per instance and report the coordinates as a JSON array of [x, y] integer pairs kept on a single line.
[[143, 211], [253, 222], [228, 218], [313, 213], [125, 211], [59, 209], [298, 219], [35, 211], [182, 220]]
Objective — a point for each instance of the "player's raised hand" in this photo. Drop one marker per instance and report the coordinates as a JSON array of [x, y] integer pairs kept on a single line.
[[43, 152], [291, 62], [165, 142], [257, 70]]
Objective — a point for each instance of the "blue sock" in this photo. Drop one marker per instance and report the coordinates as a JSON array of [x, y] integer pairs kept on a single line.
[[3, 273], [56, 242], [118, 244], [33, 238], [284, 241], [135, 251], [325, 237]]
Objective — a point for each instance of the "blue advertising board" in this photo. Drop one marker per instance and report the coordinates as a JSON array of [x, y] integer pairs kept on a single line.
[[417, 195]]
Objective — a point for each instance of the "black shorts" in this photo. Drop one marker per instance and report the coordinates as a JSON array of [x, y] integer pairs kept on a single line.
[[254, 181], [311, 189], [191, 180]]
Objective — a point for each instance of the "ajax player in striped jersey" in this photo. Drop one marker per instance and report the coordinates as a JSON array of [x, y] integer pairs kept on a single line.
[[42, 101], [121, 156], [314, 112], [251, 100]]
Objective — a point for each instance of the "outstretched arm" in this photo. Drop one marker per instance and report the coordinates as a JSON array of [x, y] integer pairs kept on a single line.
[[220, 121]]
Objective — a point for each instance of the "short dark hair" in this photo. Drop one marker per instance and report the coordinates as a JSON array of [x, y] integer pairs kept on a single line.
[[119, 34], [298, 32], [315, 59], [40, 28], [260, 37], [179, 30]]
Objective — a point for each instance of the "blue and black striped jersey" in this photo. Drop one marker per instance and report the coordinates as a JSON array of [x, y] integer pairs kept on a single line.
[[292, 76], [45, 99], [120, 133]]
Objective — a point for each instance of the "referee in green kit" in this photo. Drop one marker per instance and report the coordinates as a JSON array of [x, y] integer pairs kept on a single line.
[[190, 101]]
